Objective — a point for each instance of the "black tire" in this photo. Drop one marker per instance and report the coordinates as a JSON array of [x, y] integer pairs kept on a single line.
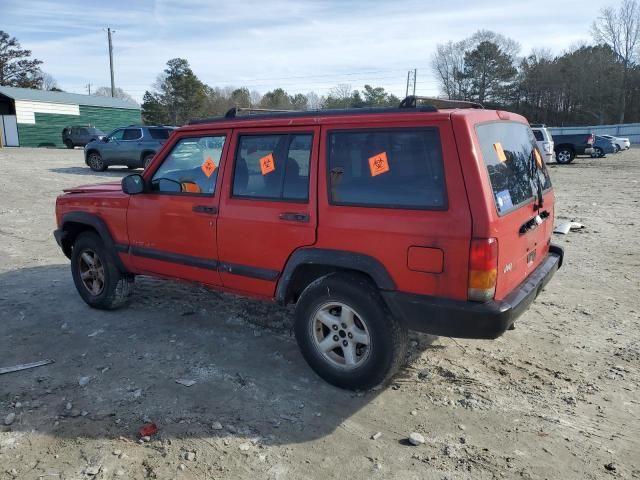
[[565, 156], [387, 337], [96, 163], [147, 160], [616, 148], [115, 288], [69, 144], [597, 153]]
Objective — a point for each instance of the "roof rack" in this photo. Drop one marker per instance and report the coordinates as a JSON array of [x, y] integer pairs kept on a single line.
[[412, 102], [312, 113], [233, 112], [537, 125]]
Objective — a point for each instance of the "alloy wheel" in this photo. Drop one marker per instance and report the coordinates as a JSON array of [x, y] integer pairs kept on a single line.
[[91, 272], [340, 335]]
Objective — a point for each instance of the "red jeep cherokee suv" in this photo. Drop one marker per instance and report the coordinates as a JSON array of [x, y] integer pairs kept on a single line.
[[372, 221]]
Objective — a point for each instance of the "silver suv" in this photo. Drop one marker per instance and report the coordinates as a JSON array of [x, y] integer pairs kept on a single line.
[[133, 146]]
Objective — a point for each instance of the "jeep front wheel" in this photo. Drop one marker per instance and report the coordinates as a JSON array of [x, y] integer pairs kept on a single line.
[[95, 162], [346, 333], [97, 279]]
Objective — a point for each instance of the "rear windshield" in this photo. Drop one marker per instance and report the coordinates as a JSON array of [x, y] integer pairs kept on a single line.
[[159, 133], [538, 135], [514, 163]]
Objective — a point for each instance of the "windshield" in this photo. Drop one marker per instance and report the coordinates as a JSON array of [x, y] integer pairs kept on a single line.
[[514, 163]]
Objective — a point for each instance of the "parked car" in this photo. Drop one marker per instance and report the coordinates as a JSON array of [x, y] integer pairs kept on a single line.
[[372, 221], [80, 135], [568, 146], [620, 143], [602, 146], [544, 141], [133, 146]]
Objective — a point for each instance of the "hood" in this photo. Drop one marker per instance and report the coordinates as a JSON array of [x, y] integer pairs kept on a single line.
[[96, 187]]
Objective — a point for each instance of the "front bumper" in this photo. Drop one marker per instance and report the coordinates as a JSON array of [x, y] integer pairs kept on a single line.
[[455, 318]]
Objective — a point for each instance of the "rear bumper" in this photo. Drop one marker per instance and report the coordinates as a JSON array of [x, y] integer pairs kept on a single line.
[[454, 318], [588, 151]]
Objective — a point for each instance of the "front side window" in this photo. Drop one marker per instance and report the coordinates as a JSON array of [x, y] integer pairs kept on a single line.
[[191, 166], [116, 135], [399, 168], [132, 134], [273, 167], [515, 165]]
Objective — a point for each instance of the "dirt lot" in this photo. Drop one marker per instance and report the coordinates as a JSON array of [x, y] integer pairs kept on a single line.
[[556, 398]]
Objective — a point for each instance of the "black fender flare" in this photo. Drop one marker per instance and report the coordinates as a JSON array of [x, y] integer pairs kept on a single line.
[[97, 224], [333, 258]]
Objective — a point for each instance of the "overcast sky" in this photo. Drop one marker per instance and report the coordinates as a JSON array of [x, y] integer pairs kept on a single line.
[[299, 45]]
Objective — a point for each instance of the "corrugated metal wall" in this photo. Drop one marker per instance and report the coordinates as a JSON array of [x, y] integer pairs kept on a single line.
[[47, 131], [627, 130]]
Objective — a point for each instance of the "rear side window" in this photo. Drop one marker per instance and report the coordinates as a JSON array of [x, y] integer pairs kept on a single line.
[[399, 168], [511, 155], [273, 167], [159, 133]]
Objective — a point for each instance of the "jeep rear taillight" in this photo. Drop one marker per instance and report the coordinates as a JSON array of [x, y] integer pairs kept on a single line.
[[590, 139], [483, 269]]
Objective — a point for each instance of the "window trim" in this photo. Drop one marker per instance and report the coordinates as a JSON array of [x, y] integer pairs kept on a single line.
[[132, 139], [239, 135], [416, 128], [524, 203], [148, 190]]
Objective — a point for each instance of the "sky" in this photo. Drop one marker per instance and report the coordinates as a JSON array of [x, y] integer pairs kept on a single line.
[[300, 45]]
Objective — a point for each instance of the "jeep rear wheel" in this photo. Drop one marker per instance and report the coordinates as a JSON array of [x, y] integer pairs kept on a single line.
[[564, 156], [97, 279], [95, 162], [68, 143], [346, 333]]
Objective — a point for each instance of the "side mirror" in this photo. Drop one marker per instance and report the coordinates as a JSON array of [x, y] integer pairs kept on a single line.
[[133, 184]]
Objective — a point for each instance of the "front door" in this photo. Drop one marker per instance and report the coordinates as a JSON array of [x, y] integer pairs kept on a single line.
[[172, 225], [268, 207]]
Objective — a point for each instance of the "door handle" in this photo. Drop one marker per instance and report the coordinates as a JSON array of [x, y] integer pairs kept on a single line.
[[294, 217], [205, 209]]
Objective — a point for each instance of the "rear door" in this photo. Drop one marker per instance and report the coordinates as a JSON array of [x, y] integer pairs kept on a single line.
[[131, 146], [268, 205], [516, 176]]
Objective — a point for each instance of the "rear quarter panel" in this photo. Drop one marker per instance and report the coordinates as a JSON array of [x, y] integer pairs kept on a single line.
[[388, 234]]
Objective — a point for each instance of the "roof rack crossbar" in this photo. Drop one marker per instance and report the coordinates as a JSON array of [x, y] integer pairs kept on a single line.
[[412, 102]]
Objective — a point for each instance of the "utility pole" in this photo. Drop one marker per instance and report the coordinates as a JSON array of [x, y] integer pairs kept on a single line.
[[411, 82], [88, 85], [113, 86]]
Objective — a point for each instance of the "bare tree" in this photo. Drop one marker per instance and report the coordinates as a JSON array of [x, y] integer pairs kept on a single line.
[[342, 91], [313, 101], [119, 93], [48, 82], [620, 29]]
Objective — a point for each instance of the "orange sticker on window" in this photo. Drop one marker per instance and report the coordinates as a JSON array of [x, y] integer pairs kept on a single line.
[[267, 164], [538, 157], [501, 156], [378, 164], [208, 167]]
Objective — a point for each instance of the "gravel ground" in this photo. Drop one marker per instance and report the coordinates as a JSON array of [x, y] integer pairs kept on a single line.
[[555, 398]]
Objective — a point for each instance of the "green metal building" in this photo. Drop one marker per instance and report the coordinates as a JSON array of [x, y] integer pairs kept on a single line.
[[36, 118]]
